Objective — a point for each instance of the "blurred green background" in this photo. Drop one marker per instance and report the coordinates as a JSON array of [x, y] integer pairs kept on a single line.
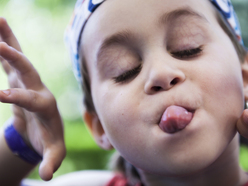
[[39, 26]]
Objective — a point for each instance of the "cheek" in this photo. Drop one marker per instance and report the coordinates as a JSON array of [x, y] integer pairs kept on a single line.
[[113, 109], [220, 80], [222, 83]]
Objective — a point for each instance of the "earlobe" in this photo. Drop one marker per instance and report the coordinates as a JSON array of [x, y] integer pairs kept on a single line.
[[94, 125]]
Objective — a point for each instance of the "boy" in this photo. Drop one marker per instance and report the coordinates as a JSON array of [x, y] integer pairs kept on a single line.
[[157, 93]]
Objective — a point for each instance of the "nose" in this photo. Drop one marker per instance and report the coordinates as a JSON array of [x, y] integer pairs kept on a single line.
[[162, 77]]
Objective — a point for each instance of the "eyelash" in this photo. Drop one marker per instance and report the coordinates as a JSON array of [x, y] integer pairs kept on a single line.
[[187, 53], [128, 75], [134, 72]]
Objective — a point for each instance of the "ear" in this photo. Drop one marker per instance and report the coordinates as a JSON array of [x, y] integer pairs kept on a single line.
[[94, 125], [245, 76]]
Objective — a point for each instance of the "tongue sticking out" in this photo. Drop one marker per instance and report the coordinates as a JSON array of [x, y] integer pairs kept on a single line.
[[174, 119]]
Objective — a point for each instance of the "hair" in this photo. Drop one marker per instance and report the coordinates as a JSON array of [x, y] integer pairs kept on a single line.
[[119, 164], [240, 49]]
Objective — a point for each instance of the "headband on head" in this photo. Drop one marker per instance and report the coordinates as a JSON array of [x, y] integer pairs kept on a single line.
[[84, 9]]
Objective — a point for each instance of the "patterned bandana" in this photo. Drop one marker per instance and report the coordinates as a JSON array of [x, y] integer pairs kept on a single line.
[[84, 9]]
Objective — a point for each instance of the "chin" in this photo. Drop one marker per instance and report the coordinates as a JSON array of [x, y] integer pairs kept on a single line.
[[192, 164], [180, 169]]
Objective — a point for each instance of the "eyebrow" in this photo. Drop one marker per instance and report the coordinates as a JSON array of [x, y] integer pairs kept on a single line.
[[120, 38], [126, 37], [175, 14]]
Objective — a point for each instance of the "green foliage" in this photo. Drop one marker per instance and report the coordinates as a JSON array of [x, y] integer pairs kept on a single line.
[[3, 2], [244, 157], [54, 3], [78, 138], [241, 7], [39, 26]]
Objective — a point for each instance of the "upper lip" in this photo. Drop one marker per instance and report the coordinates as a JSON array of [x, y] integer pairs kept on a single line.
[[192, 110]]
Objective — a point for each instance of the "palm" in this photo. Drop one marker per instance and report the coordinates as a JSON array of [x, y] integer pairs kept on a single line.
[[35, 112]]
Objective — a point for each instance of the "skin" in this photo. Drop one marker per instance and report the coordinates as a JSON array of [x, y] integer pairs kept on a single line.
[[35, 114], [127, 114], [208, 83]]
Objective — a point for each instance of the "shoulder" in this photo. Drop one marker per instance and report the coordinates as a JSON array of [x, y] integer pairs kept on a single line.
[[92, 177]]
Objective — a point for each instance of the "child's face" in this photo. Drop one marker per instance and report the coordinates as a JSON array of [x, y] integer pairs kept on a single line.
[[130, 99]]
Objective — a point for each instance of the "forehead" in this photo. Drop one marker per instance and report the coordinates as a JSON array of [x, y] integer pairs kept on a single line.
[[138, 16]]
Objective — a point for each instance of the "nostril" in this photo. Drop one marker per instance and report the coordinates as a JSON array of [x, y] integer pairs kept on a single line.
[[174, 81], [156, 88]]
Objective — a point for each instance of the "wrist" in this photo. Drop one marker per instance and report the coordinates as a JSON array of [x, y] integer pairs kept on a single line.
[[19, 147]]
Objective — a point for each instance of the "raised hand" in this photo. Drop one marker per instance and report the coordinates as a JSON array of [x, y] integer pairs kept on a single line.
[[242, 124], [35, 113]]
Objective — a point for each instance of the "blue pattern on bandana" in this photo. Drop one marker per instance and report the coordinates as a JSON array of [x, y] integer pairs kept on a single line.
[[226, 9], [84, 9], [93, 6]]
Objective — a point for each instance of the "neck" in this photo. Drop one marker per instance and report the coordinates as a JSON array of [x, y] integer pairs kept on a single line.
[[224, 171]]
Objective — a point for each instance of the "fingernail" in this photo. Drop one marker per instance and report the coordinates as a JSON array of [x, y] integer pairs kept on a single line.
[[6, 92]]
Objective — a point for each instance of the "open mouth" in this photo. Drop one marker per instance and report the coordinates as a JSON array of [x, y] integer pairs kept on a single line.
[[175, 118]]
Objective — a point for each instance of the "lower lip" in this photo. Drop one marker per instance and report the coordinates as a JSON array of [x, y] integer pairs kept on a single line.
[[174, 119]]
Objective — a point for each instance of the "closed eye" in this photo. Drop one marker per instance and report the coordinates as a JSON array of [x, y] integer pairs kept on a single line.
[[128, 75], [184, 54]]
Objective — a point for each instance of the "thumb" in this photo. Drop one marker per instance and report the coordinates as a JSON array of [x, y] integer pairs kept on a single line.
[[52, 159], [242, 124]]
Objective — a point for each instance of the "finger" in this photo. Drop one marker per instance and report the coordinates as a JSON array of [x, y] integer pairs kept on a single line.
[[12, 77], [52, 159], [14, 81], [19, 121], [7, 68], [242, 124], [7, 35], [29, 99], [25, 70]]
